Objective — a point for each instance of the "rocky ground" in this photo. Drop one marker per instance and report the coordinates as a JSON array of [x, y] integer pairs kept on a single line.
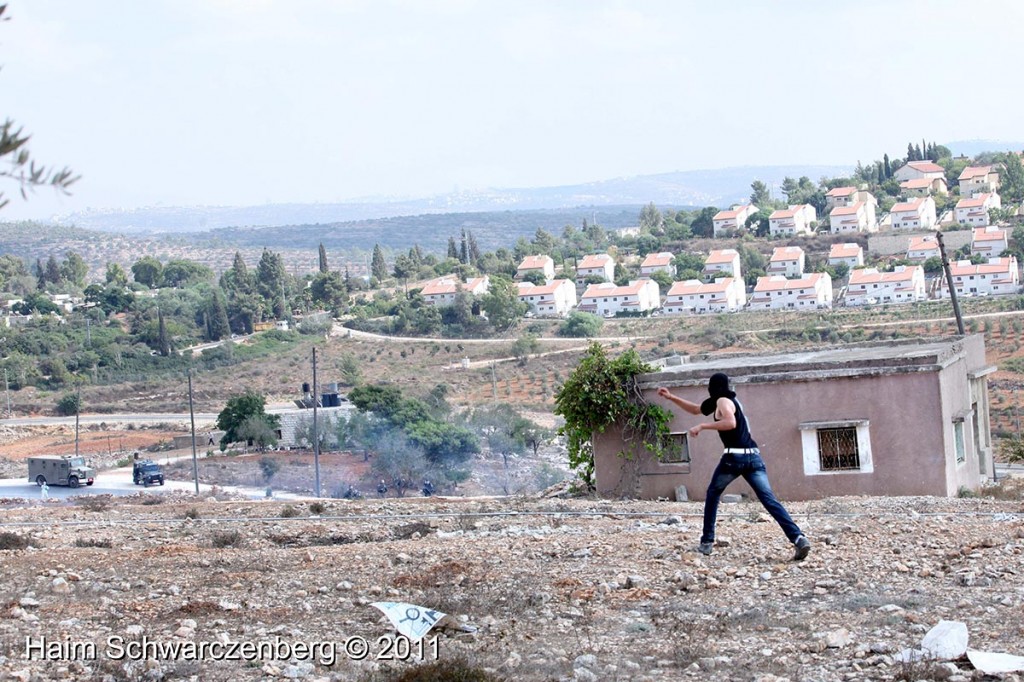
[[555, 589]]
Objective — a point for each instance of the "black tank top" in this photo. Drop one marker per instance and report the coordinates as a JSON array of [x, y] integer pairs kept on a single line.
[[740, 436]]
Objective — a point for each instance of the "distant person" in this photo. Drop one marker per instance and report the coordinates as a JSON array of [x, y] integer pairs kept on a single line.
[[428, 488], [382, 488], [211, 440], [44, 491], [741, 457]]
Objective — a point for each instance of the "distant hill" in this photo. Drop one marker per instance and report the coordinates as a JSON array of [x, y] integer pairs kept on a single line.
[[975, 147], [684, 188], [490, 229]]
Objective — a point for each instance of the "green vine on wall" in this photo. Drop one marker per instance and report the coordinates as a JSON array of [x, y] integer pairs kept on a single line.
[[602, 392]]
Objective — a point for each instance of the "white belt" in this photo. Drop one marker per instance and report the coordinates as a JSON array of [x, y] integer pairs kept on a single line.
[[742, 451]]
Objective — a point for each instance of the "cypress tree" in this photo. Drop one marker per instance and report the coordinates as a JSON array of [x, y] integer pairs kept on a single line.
[[378, 268], [323, 259], [453, 251], [464, 249], [888, 166]]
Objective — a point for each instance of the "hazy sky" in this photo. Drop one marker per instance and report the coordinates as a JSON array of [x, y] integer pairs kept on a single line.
[[233, 102]]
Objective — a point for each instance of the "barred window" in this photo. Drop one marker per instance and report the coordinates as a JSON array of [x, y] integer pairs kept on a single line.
[[676, 449], [837, 449], [958, 436]]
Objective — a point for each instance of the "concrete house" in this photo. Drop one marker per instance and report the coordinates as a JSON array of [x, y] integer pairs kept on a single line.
[[921, 248], [923, 187], [975, 180], [989, 241], [442, 291], [787, 261], [997, 277], [658, 262], [975, 211], [729, 221], [792, 221], [847, 254], [607, 300], [542, 264], [724, 295], [905, 284], [779, 293], [914, 214], [825, 422], [554, 299], [722, 260], [916, 170], [596, 265]]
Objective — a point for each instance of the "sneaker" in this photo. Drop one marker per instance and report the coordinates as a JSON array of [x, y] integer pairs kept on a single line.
[[803, 548], [705, 548]]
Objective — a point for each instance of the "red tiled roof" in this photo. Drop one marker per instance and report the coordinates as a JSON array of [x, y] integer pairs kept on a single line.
[[974, 172], [594, 261], [841, 191], [873, 276], [984, 234], [605, 289], [721, 256], [908, 206], [926, 166], [783, 253], [535, 263], [654, 260], [528, 289], [844, 251], [693, 286], [846, 210], [779, 283], [449, 285]]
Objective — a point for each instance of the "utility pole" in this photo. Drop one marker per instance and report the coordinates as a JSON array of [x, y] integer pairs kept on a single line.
[[192, 418], [78, 410], [949, 283], [316, 431]]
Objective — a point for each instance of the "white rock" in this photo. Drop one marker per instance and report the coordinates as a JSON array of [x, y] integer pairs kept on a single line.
[[60, 586], [947, 640], [837, 639]]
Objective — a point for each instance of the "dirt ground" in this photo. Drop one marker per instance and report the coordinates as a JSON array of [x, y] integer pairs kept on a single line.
[[539, 589]]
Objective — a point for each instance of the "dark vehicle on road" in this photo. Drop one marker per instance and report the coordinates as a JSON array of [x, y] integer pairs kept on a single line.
[[147, 473], [60, 470]]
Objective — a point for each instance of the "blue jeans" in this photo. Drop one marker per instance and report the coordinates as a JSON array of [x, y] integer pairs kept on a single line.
[[751, 467]]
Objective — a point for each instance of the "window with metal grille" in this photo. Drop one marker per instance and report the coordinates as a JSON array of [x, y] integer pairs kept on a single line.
[[837, 449], [958, 436], [675, 449]]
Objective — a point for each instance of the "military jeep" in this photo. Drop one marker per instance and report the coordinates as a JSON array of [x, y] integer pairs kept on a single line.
[[147, 472]]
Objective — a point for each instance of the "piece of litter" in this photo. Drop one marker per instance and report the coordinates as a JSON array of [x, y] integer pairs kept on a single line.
[[995, 664]]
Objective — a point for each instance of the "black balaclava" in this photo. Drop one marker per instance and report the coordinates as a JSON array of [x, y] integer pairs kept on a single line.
[[718, 387]]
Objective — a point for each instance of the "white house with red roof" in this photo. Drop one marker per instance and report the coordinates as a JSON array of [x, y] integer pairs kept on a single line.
[[657, 262], [554, 299], [733, 219], [442, 291], [542, 264], [905, 284], [996, 277], [846, 254], [844, 196], [787, 261], [596, 265], [724, 295], [792, 221], [914, 214], [974, 211], [989, 241], [857, 217], [921, 248], [776, 292], [923, 187], [608, 300], [722, 260], [840, 196], [975, 180], [915, 170]]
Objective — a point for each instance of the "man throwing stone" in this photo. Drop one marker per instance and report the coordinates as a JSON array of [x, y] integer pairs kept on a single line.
[[740, 458]]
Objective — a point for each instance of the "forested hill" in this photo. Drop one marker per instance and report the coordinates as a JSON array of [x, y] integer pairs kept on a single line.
[[491, 230], [718, 187]]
